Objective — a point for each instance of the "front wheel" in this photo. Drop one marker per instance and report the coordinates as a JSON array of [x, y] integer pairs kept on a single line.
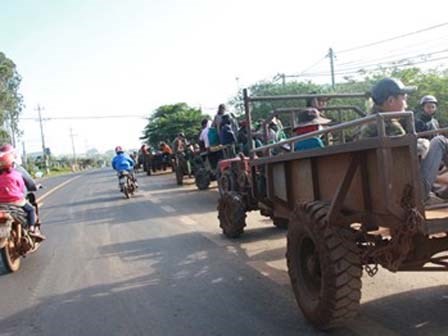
[[231, 214], [10, 257], [202, 179], [324, 267]]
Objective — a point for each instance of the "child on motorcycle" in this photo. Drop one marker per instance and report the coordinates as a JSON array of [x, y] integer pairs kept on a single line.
[[122, 162], [12, 189]]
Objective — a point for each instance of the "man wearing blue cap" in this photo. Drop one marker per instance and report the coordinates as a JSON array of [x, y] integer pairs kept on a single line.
[[390, 95]]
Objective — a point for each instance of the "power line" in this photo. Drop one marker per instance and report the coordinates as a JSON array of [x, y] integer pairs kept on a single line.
[[409, 64], [402, 52], [395, 63], [88, 117], [311, 66], [367, 65], [393, 38]]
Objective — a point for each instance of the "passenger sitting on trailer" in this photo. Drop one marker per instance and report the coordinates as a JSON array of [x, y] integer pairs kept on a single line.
[[243, 138], [390, 95], [203, 136], [275, 131], [309, 121], [318, 103], [228, 137]]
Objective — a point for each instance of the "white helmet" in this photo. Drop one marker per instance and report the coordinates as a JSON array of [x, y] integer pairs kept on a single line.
[[428, 99]]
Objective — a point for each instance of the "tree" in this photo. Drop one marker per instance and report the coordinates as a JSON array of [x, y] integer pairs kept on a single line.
[[92, 153], [260, 110], [11, 101], [169, 120]]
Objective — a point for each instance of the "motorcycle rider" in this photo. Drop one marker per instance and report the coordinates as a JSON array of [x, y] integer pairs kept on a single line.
[[12, 189], [425, 120], [30, 185], [122, 162]]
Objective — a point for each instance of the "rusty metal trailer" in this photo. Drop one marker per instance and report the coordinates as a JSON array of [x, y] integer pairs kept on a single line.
[[350, 207]]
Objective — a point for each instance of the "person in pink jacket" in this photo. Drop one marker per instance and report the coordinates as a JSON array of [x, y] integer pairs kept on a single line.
[[12, 188]]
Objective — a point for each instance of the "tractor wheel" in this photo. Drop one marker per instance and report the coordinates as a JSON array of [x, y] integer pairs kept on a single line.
[[226, 182], [324, 267], [179, 175], [281, 223], [231, 214], [202, 179]]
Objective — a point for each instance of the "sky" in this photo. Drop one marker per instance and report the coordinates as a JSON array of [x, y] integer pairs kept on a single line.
[[93, 58]]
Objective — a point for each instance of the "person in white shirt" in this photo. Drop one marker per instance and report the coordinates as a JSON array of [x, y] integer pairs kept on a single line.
[[203, 137]]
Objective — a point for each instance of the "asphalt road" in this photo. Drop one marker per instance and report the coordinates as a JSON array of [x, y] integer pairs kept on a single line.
[[158, 265]]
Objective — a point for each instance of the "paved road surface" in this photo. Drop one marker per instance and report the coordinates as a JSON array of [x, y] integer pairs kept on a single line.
[[158, 265]]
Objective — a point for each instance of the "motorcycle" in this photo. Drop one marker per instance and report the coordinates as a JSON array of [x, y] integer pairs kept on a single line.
[[127, 184], [16, 241]]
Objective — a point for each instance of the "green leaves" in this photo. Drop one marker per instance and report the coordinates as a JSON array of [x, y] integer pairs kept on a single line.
[[168, 120], [11, 101]]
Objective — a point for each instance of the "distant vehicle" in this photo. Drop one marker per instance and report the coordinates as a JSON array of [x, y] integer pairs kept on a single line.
[[127, 184]]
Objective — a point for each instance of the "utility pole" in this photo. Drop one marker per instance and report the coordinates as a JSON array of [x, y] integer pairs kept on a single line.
[[24, 158], [44, 154], [331, 56], [73, 147]]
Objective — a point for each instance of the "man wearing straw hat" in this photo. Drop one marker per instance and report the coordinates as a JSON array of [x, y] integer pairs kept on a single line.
[[310, 120]]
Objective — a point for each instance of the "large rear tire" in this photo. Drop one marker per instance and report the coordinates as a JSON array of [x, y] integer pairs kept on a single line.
[[324, 267], [10, 258], [231, 214]]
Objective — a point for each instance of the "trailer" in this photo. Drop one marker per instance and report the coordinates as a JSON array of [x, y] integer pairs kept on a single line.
[[350, 207]]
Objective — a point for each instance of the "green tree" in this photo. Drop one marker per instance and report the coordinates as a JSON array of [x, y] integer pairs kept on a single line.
[[168, 120], [11, 101]]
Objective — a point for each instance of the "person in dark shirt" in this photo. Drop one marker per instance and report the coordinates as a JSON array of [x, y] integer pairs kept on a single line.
[[228, 137], [424, 119]]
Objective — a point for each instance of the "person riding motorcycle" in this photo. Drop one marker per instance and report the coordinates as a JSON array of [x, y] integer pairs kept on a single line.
[[122, 162], [12, 189], [30, 186], [425, 119], [165, 149]]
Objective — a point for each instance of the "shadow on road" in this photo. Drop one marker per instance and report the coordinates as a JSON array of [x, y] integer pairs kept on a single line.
[[180, 285], [416, 312]]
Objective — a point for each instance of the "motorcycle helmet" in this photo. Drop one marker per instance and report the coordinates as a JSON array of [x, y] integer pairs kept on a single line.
[[119, 149], [6, 148], [428, 99], [6, 160]]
